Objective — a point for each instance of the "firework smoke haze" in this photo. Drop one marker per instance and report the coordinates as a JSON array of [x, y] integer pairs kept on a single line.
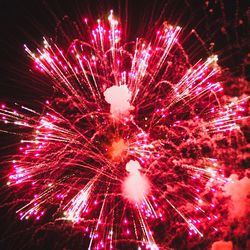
[[238, 191], [222, 245]]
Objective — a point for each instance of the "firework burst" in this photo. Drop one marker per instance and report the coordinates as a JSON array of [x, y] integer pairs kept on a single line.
[[124, 148]]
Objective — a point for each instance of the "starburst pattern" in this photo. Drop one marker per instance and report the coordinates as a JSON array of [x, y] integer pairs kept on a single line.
[[122, 148]]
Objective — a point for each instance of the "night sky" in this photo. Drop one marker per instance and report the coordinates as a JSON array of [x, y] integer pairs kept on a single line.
[[223, 26]]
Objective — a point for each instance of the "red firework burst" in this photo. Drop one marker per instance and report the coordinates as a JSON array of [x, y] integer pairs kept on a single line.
[[127, 145]]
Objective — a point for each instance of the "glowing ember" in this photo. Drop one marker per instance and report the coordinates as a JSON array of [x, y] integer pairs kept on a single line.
[[118, 148]]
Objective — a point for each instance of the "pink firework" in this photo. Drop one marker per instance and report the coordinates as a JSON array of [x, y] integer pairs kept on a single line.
[[125, 150]]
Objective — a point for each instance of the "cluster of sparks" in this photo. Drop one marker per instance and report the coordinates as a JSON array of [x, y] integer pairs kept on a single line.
[[118, 149]]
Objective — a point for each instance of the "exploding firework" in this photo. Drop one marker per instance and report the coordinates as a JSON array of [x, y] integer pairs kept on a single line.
[[126, 147]]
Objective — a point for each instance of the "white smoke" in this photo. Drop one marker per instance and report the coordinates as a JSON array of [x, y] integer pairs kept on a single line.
[[135, 186], [119, 99], [238, 191]]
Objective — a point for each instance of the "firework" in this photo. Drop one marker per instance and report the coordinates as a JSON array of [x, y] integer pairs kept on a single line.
[[120, 150]]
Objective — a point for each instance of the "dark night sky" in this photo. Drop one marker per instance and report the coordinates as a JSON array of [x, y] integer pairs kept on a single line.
[[25, 22]]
